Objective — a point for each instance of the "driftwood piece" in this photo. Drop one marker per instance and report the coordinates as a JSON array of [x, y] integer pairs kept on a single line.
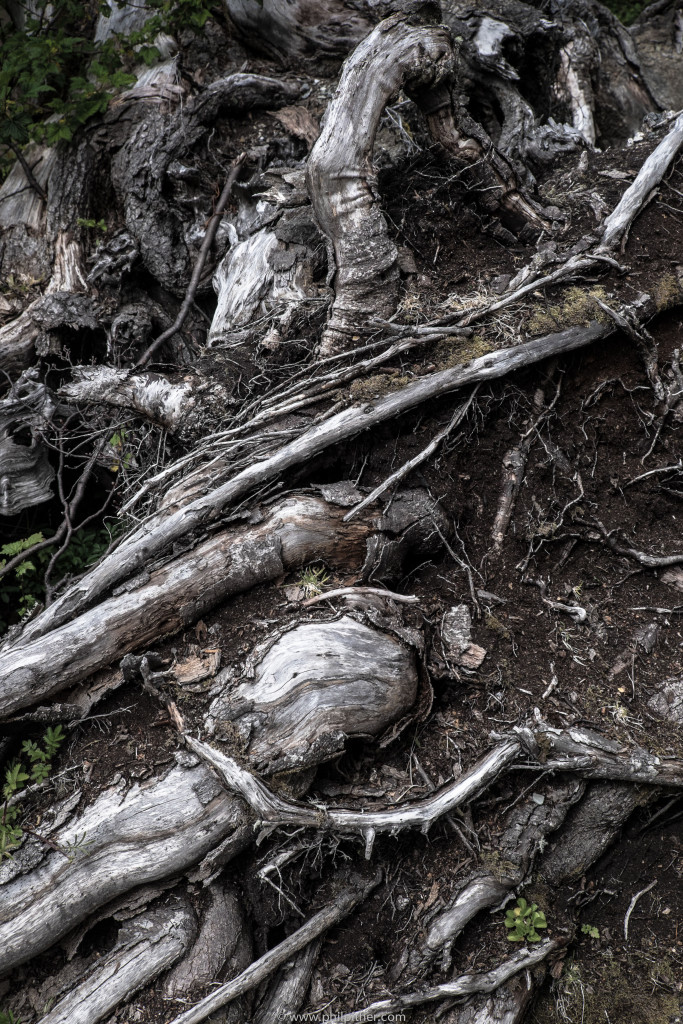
[[280, 954], [25, 472], [122, 840], [163, 531], [649, 176], [317, 685], [146, 946], [297, 531], [397, 53]]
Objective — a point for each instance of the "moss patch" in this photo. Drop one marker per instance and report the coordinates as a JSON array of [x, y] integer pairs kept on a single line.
[[610, 990], [668, 291], [575, 307], [454, 351]]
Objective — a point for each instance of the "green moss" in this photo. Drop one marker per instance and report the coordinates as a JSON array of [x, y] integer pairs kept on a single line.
[[575, 307], [501, 869], [496, 626], [368, 388], [455, 351], [668, 292], [627, 10], [611, 991]]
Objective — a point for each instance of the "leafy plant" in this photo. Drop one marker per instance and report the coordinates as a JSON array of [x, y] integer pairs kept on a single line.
[[524, 922], [312, 580], [90, 222], [54, 76], [590, 929], [7, 1017], [34, 767], [23, 588]]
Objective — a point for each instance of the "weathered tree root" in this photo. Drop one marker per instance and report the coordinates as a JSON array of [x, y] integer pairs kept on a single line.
[[465, 985], [275, 810], [398, 52], [261, 969], [122, 840], [182, 407], [577, 750], [297, 531], [162, 531], [146, 946]]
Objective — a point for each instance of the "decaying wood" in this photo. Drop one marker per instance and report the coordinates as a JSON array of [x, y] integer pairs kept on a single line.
[[209, 237], [184, 407], [288, 989], [339, 175], [297, 531], [146, 946], [161, 532], [221, 944], [125, 838], [526, 832], [316, 685], [597, 757], [280, 954], [462, 986], [26, 475]]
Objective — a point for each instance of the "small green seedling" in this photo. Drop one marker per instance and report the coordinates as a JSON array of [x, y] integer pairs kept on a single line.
[[7, 1017], [312, 581], [523, 922], [590, 929]]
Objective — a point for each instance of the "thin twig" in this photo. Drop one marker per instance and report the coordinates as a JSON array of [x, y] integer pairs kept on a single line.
[[209, 236], [352, 591], [632, 904], [457, 418]]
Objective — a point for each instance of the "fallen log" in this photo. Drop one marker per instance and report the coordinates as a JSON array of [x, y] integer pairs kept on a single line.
[[162, 531], [122, 840]]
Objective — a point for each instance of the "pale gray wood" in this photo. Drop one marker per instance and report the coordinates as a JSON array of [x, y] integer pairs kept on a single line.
[[649, 176], [465, 985], [419, 814], [340, 176], [127, 837], [146, 946], [26, 475], [298, 530], [317, 685]]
